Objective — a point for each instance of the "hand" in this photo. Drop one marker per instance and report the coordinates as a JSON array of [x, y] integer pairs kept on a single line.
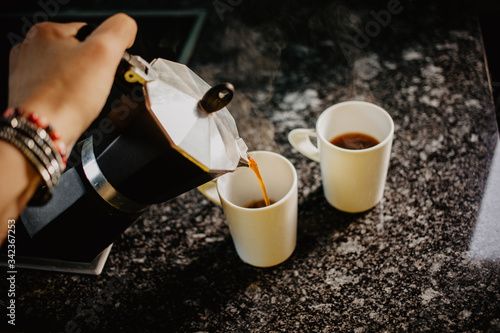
[[64, 80], [68, 81]]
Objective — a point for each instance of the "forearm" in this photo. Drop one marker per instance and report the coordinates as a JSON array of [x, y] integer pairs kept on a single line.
[[19, 181]]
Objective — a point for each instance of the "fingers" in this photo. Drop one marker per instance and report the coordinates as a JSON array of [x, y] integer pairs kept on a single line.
[[54, 30]]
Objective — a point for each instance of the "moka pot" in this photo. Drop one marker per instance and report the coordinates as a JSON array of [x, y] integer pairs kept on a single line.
[[169, 133]]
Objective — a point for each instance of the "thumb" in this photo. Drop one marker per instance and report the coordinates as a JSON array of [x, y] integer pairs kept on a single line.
[[118, 32]]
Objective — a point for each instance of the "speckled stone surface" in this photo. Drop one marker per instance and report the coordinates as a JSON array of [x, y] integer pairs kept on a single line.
[[404, 266]]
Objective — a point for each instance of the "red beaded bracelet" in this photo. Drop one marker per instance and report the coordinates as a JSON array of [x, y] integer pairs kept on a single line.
[[43, 123]]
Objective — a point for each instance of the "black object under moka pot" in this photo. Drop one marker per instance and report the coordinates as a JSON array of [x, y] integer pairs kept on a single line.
[[169, 133]]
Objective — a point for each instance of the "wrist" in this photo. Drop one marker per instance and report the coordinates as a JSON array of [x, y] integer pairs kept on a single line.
[[39, 122], [60, 118], [40, 144]]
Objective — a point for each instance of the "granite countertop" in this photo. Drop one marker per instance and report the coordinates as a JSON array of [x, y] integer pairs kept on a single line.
[[418, 261]]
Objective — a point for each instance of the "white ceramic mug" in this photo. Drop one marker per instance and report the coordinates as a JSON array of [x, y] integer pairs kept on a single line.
[[353, 180], [265, 236]]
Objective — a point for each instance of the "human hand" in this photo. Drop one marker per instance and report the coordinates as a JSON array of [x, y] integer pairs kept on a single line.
[[65, 80]]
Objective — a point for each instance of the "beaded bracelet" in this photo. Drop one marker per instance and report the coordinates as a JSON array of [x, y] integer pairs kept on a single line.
[[41, 146]]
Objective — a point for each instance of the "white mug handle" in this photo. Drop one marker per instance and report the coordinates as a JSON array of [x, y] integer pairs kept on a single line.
[[210, 191], [300, 139]]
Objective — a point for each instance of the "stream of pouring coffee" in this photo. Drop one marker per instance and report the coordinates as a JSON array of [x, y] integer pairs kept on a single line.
[[253, 165]]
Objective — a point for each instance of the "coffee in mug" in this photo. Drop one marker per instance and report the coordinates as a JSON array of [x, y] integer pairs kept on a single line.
[[354, 141], [259, 203]]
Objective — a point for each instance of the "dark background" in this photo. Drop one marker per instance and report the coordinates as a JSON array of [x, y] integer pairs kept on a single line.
[[173, 32]]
